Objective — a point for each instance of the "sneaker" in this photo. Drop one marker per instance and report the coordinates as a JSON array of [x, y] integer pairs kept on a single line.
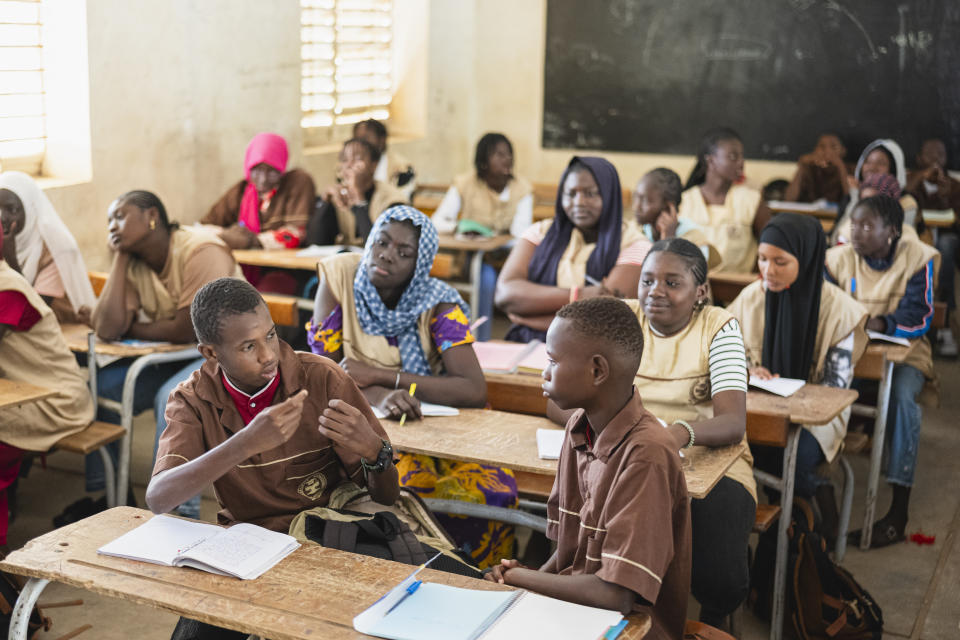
[[946, 344]]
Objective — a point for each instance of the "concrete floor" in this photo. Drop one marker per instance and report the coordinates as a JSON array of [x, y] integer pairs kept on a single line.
[[917, 587]]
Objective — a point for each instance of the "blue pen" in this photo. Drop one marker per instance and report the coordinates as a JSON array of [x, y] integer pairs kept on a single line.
[[413, 587]]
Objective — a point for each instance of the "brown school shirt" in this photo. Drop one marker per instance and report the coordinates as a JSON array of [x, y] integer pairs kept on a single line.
[[273, 486], [290, 206], [619, 510], [820, 182]]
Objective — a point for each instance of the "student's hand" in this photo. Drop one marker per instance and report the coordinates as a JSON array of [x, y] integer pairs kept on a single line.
[[275, 425], [363, 374], [399, 402], [85, 315], [238, 237], [668, 221], [497, 573], [813, 158], [877, 324], [348, 427], [348, 189], [763, 373]]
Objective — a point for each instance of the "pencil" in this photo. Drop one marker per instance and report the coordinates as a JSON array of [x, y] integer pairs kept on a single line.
[[413, 390]]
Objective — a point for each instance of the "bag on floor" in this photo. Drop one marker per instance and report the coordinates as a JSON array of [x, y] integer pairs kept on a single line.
[[10, 587], [406, 531]]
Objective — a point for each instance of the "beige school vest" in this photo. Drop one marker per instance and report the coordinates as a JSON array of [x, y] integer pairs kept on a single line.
[[384, 195], [840, 315], [338, 272], [40, 356], [880, 292], [674, 377], [728, 227], [572, 268], [482, 204], [159, 296]]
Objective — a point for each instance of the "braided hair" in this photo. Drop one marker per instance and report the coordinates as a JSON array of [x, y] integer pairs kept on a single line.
[[685, 250], [144, 200], [887, 209], [708, 146]]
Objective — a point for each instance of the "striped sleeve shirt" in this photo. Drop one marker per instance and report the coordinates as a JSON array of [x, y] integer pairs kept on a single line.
[[727, 360]]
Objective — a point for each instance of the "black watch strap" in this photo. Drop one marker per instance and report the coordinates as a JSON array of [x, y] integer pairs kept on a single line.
[[384, 457]]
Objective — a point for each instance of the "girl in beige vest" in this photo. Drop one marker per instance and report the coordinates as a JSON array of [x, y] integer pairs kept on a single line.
[[730, 214], [894, 277], [693, 376], [797, 326]]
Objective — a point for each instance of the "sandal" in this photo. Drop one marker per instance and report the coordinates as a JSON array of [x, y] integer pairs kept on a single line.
[[884, 534]]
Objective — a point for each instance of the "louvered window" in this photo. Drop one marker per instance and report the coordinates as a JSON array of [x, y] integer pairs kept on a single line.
[[22, 130]]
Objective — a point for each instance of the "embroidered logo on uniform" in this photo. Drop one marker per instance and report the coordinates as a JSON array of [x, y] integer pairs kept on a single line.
[[700, 390], [313, 485]]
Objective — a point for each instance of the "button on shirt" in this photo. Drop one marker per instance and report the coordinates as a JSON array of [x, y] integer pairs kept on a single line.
[[619, 510]]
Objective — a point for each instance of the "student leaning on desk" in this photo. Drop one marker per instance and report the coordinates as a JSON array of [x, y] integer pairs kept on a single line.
[[275, 431], [618, 510]]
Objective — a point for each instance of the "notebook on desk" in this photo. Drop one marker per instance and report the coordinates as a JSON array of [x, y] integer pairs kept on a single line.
[[416, 610], [882, 337], [781, 386], [502, 357]]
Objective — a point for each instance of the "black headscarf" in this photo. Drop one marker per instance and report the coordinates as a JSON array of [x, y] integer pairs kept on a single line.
[[791, 316]]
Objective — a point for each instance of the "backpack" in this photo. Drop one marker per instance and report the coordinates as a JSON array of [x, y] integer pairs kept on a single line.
[[406, 531], [823, 601]]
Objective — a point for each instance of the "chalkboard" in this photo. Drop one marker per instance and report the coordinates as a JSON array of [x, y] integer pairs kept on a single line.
[[653, 75]]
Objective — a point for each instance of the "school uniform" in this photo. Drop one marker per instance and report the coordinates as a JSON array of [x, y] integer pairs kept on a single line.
[[396, 170], [727, 226], [333, 224], [899, 288], [930, 198], [471, 198], [619, 510]]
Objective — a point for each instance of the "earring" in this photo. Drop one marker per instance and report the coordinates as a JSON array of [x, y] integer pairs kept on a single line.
[[153, 225]]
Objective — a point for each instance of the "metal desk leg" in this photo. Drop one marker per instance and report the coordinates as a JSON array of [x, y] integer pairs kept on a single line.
[[476, 265], [786, 514], [20, 620], [840, 549], [488, 512], [876, 454]]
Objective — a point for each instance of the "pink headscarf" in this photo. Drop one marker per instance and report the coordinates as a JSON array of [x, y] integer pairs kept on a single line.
[[271, 149], [884, 183]]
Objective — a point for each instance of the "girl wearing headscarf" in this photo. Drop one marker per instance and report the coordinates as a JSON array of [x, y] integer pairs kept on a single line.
[[795, 325], [586, 250], [41, 248], [894, 276], [390, 325], [270, 207]]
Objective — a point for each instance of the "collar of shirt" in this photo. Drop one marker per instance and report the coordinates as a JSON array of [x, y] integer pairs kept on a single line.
[[250, 405], [882, 264], [613, 434]]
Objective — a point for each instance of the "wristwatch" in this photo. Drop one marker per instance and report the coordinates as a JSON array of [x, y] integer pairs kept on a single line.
[[384, 458]]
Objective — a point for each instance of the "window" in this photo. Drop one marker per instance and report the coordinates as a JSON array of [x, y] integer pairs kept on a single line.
[[347, 66], [22, 127]]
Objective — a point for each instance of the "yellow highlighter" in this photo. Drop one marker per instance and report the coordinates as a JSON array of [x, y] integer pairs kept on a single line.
[[413, 390]]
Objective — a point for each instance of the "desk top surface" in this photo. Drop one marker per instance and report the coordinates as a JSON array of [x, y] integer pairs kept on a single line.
[[14, 392], [510, 440], [802, 208], [76, 337], [313, 593], [892, 352]]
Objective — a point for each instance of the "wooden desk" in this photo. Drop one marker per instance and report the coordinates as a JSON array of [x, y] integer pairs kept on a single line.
[[79, 339], [726, 286], [802, 208], [510, 440], [313, 593], [14, 392]]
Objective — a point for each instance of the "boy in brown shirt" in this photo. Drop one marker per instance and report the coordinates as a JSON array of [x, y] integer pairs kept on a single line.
[[618, 510]]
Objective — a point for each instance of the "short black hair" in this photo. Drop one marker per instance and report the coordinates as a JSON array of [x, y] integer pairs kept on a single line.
[[607, 319], [887, 209], [218, 299], [144, 200], [374, 125], [485, 148], [668, 182], [370, 149], [689, 252]]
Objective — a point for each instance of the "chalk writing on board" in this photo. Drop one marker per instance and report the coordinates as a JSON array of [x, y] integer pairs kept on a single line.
[[730, 47]]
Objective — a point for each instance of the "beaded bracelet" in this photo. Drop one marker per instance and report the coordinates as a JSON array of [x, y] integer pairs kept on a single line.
[[693, 436]]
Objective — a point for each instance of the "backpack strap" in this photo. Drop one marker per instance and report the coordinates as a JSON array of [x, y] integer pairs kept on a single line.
[[340, 535]]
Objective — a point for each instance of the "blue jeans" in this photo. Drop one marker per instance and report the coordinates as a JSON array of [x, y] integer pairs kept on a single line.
[[948, 243], [809, 457], [110, 385], [484, 306], [190, 508], [903, 425]]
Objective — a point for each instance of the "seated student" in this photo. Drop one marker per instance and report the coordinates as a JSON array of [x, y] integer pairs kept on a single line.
[[274, 430], [32, 350], [618, 510], [270, 207], [492, 197], [40, 247], [894, 277], [655, 203], [157, 269], [730, 214], [390, 325], [776, 189], [797, 326], [935, 189], [821, 174], [392, 168], [586, 250], [350, 207]]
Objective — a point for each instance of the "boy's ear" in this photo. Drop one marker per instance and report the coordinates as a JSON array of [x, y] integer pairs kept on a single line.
[[599, 369], [207, 351]]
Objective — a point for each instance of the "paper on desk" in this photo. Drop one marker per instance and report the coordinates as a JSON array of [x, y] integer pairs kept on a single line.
[[876, 335], [939, 215], [781, 386], [325, 251], [427, 408], [549, 443], [811, 207]]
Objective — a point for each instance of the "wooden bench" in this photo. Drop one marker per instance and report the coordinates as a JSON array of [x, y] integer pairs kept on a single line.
[[767, 514], [283, 309]]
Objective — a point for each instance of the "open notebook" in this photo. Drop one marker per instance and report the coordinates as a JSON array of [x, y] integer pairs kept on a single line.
[[243, 551], [781, 386], [415, 610], [427, 408], [876, 335], [502, 357]]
